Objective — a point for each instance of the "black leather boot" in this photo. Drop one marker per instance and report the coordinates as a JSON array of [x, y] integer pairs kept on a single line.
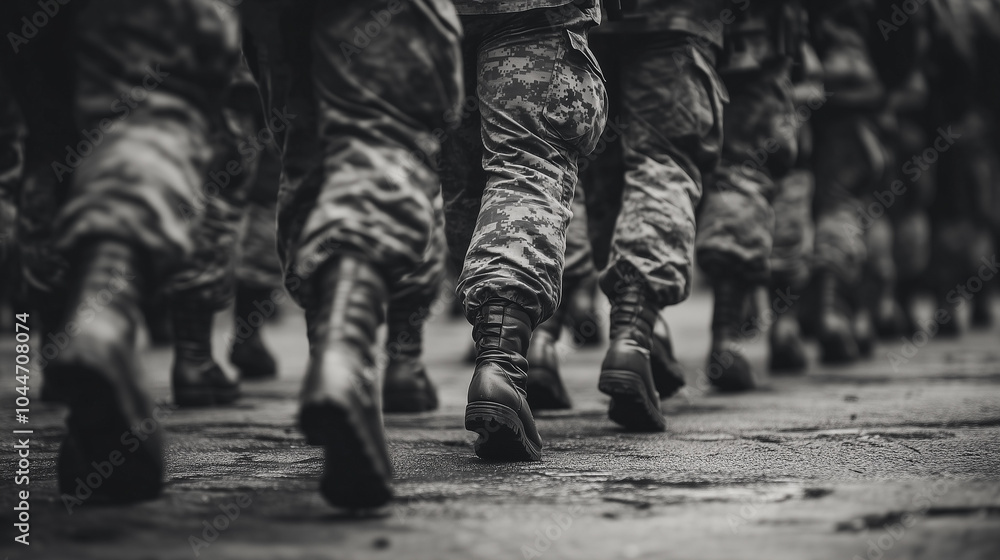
[[545, 388], [97, 374], [580, 313], [728, 369], [836, 330], [249, 354], [196, 378], [668, 375], [340, 408], [788, 352], [498, 408], [626, 374], [407, 388]]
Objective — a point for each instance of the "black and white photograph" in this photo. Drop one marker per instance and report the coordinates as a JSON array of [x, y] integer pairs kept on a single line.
[[499, 279]]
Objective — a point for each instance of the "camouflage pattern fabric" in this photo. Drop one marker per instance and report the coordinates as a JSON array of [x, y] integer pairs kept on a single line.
[[537, 103], [579, 256], [848, 164], [670, 123], [258, 265], [364, 118], [702, 20], [421, 286], [122, 141], [481, 7], [794, 231], [226, 219], [736, 220]]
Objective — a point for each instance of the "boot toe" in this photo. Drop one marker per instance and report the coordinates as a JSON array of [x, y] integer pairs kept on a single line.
[[407, 388], [627, 378], [254, 361], [731, 373]]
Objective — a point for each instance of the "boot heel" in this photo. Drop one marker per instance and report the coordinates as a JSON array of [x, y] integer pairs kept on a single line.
[[632, 406], [501, 433], [358, 471]]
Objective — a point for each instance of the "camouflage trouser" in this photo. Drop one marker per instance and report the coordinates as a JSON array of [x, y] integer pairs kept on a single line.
[[236, 207], [537, 102], [579, 255], [361, 108], [794, 228], [849, 164], [668, 103], [965, 209], [736, 220], [123, 135]]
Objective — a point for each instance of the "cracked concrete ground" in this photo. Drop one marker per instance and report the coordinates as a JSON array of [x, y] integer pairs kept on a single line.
[[856, 462]]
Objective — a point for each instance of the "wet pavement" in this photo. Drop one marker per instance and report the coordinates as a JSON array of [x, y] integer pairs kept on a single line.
[[874, 461]]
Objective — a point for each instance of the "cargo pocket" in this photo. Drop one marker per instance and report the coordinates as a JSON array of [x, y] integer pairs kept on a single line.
[[718, 96], [576, 107]]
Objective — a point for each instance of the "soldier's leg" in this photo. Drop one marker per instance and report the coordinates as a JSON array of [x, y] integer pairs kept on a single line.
[[147, 94], [672, 116], [736, 223], [790, 271], [258, 271], [205, 285], [407, 387], [844, 164], [542, 105], [356, 212], [545, 387]]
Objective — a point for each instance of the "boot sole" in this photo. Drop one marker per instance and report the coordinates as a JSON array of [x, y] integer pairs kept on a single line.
[[203, 396], [98, 423], [631, 405], [501, 433], [357, 473]]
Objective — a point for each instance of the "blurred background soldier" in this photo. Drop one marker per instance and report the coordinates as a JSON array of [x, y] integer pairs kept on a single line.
[[206, 284], [537, 103], [664, 135], [965, 213], [366, 87], [736, 219], [117, 147]]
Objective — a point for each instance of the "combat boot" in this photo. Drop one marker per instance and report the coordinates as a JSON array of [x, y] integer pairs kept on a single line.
[[339, 404], [668, 375], [836, 330], [626, 373], [728, 368], [97, 374], [249, 354], [498, 407], [580, 313], [406, 388], [196, 378], [545, 387], [788, 353]]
